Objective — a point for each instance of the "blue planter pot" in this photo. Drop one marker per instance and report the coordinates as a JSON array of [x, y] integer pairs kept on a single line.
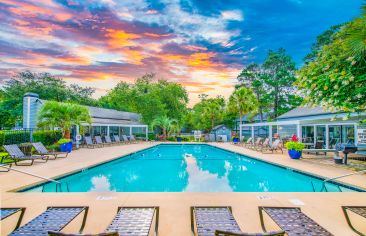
[[295, 154], [179, 139], [66, 147], [235, 140]]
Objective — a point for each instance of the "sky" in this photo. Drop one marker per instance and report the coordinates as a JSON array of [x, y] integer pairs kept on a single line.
[[201, 44]]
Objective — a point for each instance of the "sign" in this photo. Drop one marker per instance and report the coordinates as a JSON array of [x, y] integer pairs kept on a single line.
[[78, 137], [361, 135]]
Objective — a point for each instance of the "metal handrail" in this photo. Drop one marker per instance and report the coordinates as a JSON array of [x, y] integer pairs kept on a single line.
[[339, 177], [28, 173]]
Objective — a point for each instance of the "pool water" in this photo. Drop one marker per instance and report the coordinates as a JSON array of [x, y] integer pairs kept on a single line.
[[187, 168]]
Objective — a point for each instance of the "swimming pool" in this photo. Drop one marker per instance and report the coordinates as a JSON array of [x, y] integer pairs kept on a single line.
[[187, 168]]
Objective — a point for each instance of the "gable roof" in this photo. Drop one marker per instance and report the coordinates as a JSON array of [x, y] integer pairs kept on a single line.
[[304, 111], [104, 113]]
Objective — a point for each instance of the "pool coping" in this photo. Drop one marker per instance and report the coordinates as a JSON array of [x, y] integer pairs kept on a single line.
[[26, 188]]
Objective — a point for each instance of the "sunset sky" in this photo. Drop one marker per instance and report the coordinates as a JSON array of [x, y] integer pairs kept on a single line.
[[201, 44]]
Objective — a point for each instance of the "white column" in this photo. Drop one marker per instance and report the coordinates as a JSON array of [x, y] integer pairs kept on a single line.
[[253, 133], [298, 132], [326, 136], [355, 133], [240, 133], [270, 134], [77, 131], [130, 130], [314, 135], [108, 130], [147, 132]]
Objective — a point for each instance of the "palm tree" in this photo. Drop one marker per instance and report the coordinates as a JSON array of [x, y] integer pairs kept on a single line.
[[214, 110], [243, 101], [63, 115], [356, 36], [163, 122]]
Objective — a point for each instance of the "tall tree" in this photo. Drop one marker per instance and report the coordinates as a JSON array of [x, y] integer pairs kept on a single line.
[[243, 101], [336, 79], [252, 76], [164, 123], [280, 77]]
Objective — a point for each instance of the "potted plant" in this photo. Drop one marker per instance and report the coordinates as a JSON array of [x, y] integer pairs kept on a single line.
[[65, 145], [179, 139], [295, 147], [236, 139]]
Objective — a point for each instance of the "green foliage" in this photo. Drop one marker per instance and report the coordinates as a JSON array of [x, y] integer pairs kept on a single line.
[[165, 124], [295, 146], [149, 98], [242, 102], [47, 86], [47, 137], [62, 115], [14, 137], [63, 141], [336, 79], [207, 113], [272, 83]]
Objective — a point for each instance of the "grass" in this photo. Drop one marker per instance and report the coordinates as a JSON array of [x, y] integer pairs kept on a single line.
[[3, 158]]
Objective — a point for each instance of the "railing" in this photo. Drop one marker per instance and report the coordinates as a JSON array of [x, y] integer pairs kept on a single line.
[[337, 177], [58, 183]]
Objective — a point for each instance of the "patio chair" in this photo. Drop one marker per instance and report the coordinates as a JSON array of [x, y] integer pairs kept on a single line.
[[249, 142], [108, 140], [292, 221], [89, 142], [319, 145], [359, 210], [262, 145], [133, 139], [7, 212], [17, 155], [129, 221], [42, 150], [99, 141], [117, 139], [215, 221], [53, 219], [276, 145], [256, 144], [125, 139]]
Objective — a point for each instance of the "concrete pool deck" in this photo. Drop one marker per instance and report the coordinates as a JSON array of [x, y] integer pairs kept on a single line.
[[325, 208]]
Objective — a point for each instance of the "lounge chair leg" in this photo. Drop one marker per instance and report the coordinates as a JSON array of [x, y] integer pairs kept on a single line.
[[349, 221], [84, 220], [22, 210], [262, 219]]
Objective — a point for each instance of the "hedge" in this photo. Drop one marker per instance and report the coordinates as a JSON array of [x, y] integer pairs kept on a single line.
[[47, 137]]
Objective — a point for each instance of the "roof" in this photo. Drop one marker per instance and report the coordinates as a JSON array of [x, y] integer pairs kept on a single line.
[[304, 111], [115, 122], [98, 112], [218, 127]]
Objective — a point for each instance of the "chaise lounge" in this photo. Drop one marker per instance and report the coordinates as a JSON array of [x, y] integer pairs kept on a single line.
[[53, 219], [358, 210], [42, 150], [17, 155], [292, 221], [218, 221], [89, 142], [7, 212]]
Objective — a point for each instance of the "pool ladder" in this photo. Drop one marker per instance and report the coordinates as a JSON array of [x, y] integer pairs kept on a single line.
[[324, 187], [58, 183]]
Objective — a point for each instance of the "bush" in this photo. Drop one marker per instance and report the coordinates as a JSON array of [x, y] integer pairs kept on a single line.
[[172, 139], [14, 137], [47, 137], [63, 140], [295, 146]]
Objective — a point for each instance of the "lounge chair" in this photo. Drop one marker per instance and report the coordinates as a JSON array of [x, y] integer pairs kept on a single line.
[[215, 221], [359, 210], [262, 145], [117, 139], [6, 212], [248, 143], [276, 145], [99, 141], [89, 142], [133, 139], [129, 221], [42, 150], [53, 219], [292, 221], [256, 144], [125, 139], [17, 155], [108, 140]]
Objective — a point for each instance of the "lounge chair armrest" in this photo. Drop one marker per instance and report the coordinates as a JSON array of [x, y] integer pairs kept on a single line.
[[228, 233]]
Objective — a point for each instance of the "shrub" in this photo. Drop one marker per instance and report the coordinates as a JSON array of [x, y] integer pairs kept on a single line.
[[171, 139], [295, 146], [47, 137], [14, 137], [63, 140]]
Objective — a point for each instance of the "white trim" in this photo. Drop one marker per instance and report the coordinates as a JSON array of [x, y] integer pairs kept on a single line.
[[118, 125], [28, 113]]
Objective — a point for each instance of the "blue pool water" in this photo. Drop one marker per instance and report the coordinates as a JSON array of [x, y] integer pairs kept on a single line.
[[187, 168]]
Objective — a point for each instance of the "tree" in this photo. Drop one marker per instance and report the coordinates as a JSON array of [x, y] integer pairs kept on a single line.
[[149, 97], [280, 77], [336, 79], [164, 123], [243, 101], [252, 76], [45, 85], [62, 115]]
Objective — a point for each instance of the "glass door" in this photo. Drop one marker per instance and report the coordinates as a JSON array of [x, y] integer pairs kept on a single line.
[[348, 133], [335, 135]]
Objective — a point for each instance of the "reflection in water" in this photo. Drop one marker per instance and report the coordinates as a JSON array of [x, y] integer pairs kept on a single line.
[[204, 181], [101, 184]]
